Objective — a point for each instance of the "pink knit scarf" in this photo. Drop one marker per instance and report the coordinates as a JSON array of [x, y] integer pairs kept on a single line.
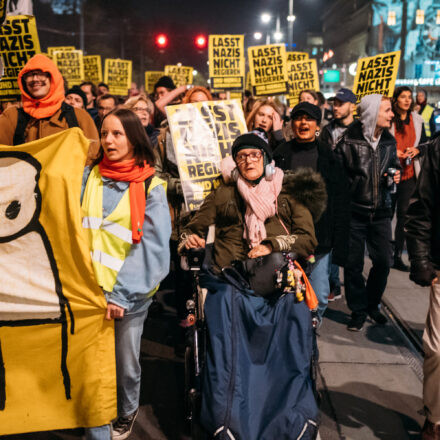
[[261, 201]]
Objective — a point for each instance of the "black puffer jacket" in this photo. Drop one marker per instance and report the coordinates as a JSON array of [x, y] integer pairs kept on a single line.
[[366, 167], [423, 218]]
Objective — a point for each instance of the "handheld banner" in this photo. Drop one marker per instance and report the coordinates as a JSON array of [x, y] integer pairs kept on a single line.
[[117, 74], [181, 75], [3, 4], [267, 65], [18, 44], [296, 56], [151, 78], [202, 134], [70, 64], [52, 49], [376, 75], [92, 68], [57, 359], [303, 75], [226, 62]]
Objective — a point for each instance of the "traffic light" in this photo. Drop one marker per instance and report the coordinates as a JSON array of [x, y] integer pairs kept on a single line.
[[161, 41], [201, 42]]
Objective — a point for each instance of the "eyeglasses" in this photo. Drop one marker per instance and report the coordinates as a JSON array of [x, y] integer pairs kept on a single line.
[[253, 157], [140, 110], [38, 73]]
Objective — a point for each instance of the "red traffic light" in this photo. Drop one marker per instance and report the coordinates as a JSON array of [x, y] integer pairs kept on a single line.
[[201, 41], [161, 41]]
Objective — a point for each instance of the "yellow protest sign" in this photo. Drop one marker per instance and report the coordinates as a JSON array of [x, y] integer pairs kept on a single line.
[[226, 62], [70, 64], [57, 360], [92, 68], [202, 135], [267, 65], [296, 56], [18, 44], [3, 4], [181, 75], [303, 75], [52, 49], [117, 74], [236, 95], [151, 78], [376, 75]]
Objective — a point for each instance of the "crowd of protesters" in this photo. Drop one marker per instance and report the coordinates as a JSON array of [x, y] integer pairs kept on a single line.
[[382, 162]]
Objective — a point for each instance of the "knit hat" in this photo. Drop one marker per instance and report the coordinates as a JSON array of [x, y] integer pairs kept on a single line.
[[76, 90], [254, 139], [306, 108], [165, 81]]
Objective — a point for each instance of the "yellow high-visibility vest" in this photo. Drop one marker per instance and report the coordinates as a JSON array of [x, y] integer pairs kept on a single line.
[[426, 115], [110, 238]]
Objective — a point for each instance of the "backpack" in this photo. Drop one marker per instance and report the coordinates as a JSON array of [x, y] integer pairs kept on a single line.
[[67, 112]]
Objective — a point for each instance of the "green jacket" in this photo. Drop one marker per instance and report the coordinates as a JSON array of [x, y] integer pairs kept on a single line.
[[300, 203]]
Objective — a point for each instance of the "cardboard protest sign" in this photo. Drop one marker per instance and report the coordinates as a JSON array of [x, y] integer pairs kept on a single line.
[[92, 68], [267, 65], [151, 78], [18, 44], [52, 49], [376, 75], [3, 4], [226, 62], [181, 75], [70, 64], [303, 75], [236, 95], [117, 74], [57, 353], [202, 134], [296, 56]]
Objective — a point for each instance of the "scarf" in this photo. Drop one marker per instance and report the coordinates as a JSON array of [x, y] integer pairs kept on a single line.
[[261, 201], [127, 171]]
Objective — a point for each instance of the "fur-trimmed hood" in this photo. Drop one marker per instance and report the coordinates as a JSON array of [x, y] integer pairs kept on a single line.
[[308, 188]]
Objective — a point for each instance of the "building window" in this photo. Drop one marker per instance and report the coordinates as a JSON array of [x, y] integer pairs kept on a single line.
[[437, 21], [391, 18], [420, 16]]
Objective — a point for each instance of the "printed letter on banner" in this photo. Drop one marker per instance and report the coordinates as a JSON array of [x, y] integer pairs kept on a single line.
[[296, 56], [226, 62], [376, 75], [151, 78], [52, 49], [202, 135], [117, 74], [181, 75], [18, 44], [92, 68], [267, 65], [70, 64], [303, 75]]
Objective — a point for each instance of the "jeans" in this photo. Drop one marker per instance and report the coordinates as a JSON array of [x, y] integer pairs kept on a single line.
[[128, 333], [319, 279], [376, 234], [333, 273]]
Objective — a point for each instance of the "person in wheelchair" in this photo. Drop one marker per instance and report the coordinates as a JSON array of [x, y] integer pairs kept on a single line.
[[256, 380]]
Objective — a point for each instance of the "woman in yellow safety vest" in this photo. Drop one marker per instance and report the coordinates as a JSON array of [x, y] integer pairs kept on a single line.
[[126, 217]]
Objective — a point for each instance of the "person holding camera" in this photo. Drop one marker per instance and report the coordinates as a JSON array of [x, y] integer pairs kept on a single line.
[[368, 153], [408, 129]]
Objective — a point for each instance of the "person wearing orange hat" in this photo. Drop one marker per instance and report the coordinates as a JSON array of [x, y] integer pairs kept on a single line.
[[44, 111]]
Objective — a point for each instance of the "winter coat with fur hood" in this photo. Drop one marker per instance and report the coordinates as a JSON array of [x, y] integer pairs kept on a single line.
[[301, 202]]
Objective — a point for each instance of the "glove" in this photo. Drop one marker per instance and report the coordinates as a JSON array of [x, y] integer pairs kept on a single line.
[[422, 274]]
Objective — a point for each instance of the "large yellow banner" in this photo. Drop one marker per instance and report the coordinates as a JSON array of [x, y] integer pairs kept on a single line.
[[267, 66], [151, 78], [202, 135], [181, 75], [92, 68], [70, 64], [376, 75], [296, 56], [57, 361], [117, 74], [52, 49], [226, 62], [18, 44], [303, 75]]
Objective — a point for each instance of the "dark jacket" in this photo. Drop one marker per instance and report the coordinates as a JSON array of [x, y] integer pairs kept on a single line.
[[301, 199], [365, 168], [423, 218], [331, 229], [326, 135]]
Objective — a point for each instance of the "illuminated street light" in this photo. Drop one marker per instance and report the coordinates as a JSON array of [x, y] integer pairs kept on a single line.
[[265, 18], [195, 72], [278, 36], [437, 20], [258, 35], [391, 21], [291, 18], [420, 16]]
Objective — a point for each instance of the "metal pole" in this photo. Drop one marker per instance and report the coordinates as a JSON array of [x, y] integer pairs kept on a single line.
[[290, 27], [81, 25]]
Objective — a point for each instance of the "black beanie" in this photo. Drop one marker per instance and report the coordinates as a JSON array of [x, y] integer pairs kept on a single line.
[[77, 91], [254, 139], [165, 81]]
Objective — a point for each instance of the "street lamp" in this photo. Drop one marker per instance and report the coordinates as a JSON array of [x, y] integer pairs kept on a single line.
[[258, 35], [291, 18], [278, 36], [265, 17]]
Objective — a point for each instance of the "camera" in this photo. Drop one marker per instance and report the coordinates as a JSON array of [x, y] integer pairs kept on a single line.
[[408, 161], [390, 180]]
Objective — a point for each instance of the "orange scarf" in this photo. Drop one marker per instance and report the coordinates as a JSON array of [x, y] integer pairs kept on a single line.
[[127, 171]]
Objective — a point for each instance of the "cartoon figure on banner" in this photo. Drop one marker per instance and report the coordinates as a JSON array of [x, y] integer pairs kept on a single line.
[[30, 292]]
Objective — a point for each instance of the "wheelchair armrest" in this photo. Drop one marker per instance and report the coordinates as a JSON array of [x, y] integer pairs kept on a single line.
[[192, 259]]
